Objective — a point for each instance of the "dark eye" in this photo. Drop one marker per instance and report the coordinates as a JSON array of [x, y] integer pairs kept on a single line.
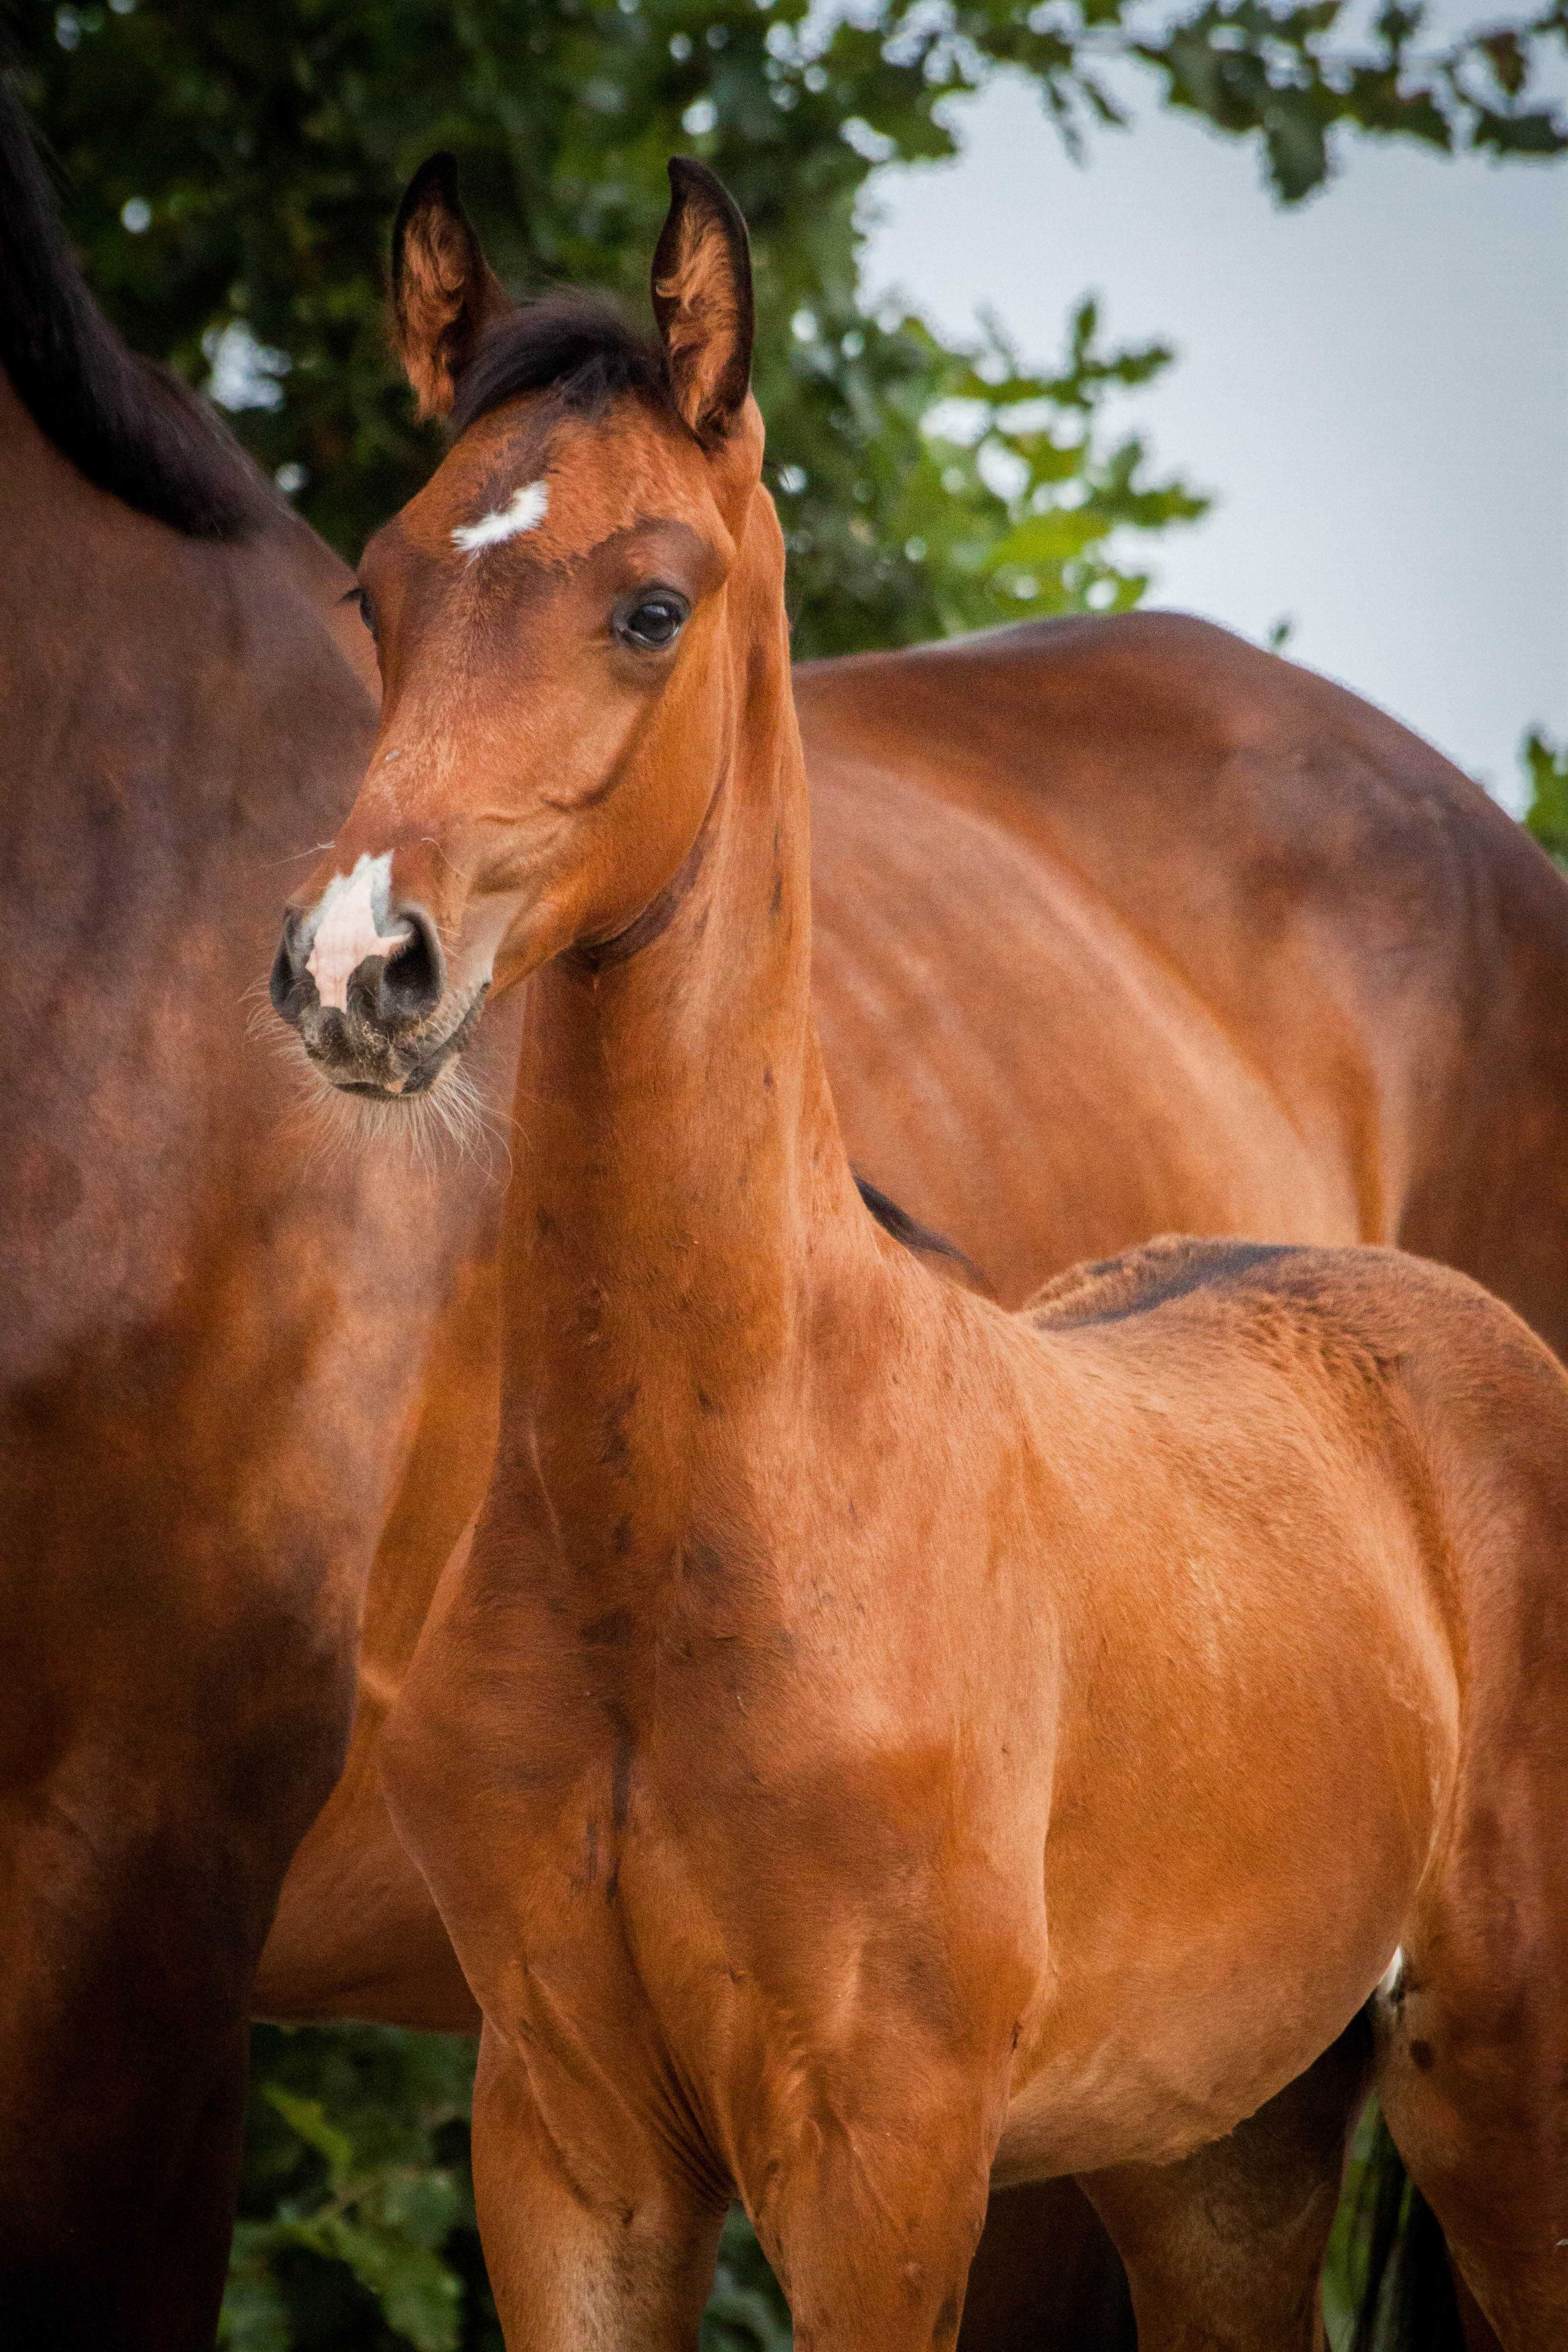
[[366, 609], [651, 619]]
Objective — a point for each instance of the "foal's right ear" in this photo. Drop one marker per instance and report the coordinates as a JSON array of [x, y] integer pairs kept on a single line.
[[444, 292]]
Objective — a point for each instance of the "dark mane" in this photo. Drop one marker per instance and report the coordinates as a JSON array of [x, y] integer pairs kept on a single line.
[[576, 344], [132, 428], [912, 1236]]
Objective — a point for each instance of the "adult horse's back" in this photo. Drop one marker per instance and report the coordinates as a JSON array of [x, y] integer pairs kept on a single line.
[[1246, 906], [206, 1365]]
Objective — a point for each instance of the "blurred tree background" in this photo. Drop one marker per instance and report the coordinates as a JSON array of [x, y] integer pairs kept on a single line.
[[229, 174]]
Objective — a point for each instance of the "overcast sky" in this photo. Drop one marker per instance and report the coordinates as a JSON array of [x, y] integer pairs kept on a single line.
[[1375, 385]]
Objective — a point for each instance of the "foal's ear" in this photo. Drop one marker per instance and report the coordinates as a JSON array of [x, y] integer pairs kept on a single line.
[[443, 289], [703, 299]]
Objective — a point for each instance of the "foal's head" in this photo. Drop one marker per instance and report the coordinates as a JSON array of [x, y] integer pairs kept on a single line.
[[557, 616]]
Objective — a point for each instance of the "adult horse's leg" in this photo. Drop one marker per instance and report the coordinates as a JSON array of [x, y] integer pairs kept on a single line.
[[1225, 2250], [1045, 2273], [140, 1864], [124, 2085]]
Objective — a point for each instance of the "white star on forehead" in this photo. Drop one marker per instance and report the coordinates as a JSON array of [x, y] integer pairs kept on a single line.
[[523, 510]]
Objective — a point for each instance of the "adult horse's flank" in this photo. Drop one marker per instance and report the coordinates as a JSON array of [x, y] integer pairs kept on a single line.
[[874, 1744]]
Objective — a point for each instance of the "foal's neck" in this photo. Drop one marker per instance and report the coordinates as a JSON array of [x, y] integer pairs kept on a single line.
[[680, 1181]]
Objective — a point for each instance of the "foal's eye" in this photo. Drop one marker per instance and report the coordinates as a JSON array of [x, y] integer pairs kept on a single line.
[[358, 597], [652, 619]]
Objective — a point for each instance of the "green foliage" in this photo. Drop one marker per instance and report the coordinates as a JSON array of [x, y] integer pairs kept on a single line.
[[1280, 72], [262, 156], [973, 490], [745, 2312], [1546, 772], [356, 2226], [1346, 2268]]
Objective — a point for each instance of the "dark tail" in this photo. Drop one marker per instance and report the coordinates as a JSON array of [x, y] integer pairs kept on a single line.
[[1407, 2301]]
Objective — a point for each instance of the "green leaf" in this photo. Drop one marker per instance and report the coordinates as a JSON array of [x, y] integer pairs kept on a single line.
[[306, 2117], [421, 2206], [421, 2297], [1049, 541], [1546, 773], [255, 2318]]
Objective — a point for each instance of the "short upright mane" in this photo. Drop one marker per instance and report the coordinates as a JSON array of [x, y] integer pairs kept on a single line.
[[131, 427], [575, 343]]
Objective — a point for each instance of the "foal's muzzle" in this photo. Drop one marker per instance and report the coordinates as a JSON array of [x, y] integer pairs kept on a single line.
[[380, 1041]]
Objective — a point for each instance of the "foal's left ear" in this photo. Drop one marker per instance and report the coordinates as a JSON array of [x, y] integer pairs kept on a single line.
[[703, 299], [444, 292]]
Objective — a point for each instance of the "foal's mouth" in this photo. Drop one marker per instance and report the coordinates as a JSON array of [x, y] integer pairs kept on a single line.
[[359, 1057]]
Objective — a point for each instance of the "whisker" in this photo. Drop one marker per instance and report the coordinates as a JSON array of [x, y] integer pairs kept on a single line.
[[450, 1127]]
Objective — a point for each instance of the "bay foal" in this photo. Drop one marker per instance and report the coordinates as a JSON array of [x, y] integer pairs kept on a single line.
[[875, 1745]]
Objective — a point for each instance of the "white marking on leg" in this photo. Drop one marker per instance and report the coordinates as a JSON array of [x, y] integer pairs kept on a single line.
[[1389, 1982], [523, 510], [348, 928]]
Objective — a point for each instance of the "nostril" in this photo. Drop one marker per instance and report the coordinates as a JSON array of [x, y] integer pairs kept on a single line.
[[283, 986], [412, 979]]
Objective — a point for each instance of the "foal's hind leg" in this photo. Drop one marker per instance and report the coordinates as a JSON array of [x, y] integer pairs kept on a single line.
[[1473, 2076], [1225, 2250], [1472, 2059]]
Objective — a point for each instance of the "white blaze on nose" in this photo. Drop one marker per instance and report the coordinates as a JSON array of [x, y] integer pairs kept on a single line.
[[521, 511], [348, 929]]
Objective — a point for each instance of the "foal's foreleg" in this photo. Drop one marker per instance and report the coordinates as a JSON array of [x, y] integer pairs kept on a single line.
[[870, 2204], [595, 2242], [1225, 2250]]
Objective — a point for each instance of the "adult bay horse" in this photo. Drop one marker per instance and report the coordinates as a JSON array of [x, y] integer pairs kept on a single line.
[[210, 1356], [874, 1744]]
